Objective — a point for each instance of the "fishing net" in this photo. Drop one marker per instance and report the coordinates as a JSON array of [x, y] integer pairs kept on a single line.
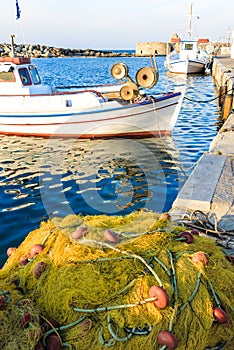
[[119, 282]]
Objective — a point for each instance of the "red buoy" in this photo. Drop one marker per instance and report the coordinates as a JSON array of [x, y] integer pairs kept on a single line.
[[24, 259], [10, 251], [162, 297], [195, 232], [111, 236], [39, 269], [36, 249], [200, 257], [25, 319], [79, 233], [169, 339], [188, 237], [3, 302], [165, 216], [220, 315], [53, 342]]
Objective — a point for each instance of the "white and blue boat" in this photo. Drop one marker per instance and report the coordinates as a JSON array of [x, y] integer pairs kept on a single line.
[[30, 108]]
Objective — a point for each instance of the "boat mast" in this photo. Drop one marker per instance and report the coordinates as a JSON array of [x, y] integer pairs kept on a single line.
[[190, 22], [12, 45]]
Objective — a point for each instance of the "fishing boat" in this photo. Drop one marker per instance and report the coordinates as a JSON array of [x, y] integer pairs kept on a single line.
[[191, 58], [30, 108]]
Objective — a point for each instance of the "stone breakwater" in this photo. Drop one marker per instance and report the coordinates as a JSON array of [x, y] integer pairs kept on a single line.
[[40, 51]]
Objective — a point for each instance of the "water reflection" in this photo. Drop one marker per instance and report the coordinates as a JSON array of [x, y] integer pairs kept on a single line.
[[98, 176]]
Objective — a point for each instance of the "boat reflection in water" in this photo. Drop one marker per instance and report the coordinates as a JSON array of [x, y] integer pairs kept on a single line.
[[43, 178], [106, 176]]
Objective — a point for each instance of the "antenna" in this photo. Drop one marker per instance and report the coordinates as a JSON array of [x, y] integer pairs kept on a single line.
[[190, 21]]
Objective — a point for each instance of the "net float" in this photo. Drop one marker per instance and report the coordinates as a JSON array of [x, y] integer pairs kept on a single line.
[[195, 232], [36, 249], [25, 320], [10, 251], [188, 237], [24, 259], [169, 339], [39, 269], [162, 298], [164, 216], [3, 302], [53, 342], [79, 233], [111, 236], [220, 315], [49, 324], [200, 257]]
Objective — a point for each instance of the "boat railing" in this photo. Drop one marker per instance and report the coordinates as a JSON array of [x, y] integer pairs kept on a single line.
[[99, 94]]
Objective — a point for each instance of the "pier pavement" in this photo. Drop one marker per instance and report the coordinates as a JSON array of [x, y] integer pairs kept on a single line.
[[210, 187]]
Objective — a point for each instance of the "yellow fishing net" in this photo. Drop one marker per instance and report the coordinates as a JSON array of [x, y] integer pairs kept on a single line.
[[151, 290]]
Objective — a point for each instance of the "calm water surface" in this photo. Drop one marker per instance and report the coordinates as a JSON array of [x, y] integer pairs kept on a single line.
[[41, 178]]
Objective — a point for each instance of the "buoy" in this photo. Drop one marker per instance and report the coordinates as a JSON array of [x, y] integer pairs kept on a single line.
[[162, 297], [195, 232], [188, 237], [169, 339], [3, 302], [49, 324], [36, 249], [220, 315], [39, 269], [164, 216], [111, 236], [200, 257], [10, 251], [79, 233], [53, 342], [25, 319], [24, 259]]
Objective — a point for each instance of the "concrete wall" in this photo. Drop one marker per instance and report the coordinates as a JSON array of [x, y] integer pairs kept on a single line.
[[232, 47]]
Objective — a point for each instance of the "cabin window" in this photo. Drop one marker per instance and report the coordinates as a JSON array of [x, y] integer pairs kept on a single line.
[[6, 77], [188, 46], [24, 76], [35, 75]]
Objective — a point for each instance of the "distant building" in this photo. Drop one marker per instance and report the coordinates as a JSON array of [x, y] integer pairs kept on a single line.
[[150, 48]]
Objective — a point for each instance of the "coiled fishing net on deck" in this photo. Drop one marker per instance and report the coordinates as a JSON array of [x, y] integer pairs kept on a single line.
[[132, 282]]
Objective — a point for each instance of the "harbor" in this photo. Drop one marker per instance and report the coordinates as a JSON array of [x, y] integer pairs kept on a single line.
[[116, 178], [210, 186]]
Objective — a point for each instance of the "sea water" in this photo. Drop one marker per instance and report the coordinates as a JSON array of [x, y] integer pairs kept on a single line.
[[43, 178]]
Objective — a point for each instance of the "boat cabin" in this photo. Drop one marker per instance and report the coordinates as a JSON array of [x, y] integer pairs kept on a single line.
[[19, 77], [192, 50], [188, 49]]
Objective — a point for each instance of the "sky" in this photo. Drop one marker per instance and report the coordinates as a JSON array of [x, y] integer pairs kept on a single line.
[[106, 24]]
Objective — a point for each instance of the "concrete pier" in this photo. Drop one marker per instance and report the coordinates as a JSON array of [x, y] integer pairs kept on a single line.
[[210, 187]]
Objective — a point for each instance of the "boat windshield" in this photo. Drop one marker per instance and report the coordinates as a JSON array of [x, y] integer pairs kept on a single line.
[[24, 76], [35, 75]]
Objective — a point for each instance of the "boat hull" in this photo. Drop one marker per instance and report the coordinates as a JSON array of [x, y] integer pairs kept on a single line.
[[185, 66], [106, 119]]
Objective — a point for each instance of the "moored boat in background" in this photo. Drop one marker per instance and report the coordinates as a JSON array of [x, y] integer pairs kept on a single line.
[[191, 58]]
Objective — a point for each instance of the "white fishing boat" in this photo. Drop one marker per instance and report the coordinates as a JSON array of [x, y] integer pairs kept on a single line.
[[191, 58], [30, 108]]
